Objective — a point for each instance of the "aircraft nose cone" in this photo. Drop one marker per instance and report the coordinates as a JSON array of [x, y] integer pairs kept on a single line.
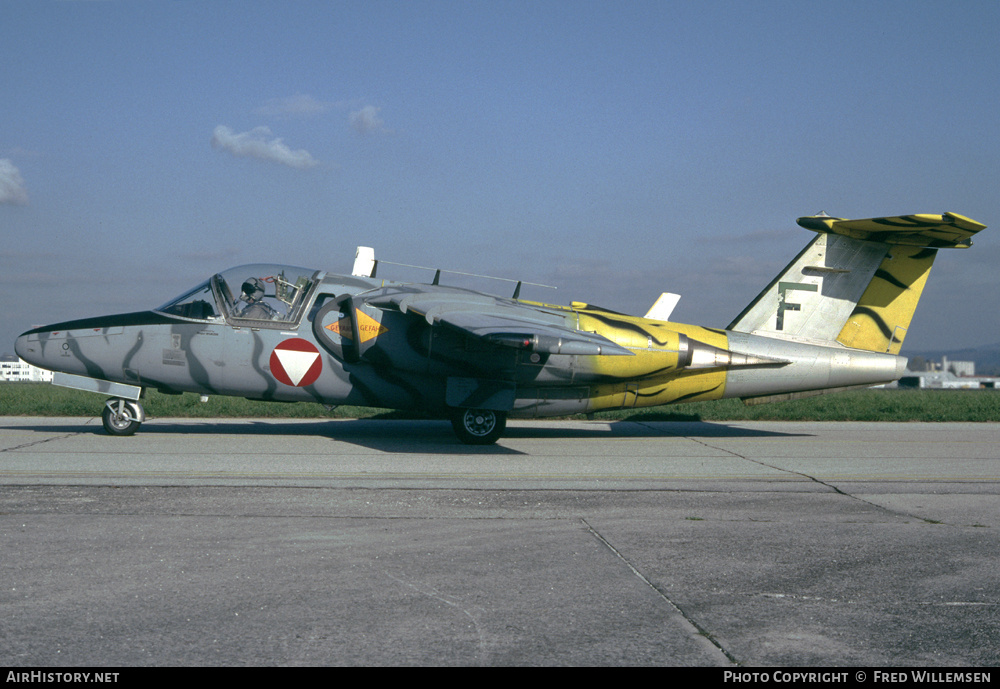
[[24, 350], [21, 344]]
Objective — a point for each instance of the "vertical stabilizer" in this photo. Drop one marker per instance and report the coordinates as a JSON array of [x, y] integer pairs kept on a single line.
[[881, 317], [815, 294]]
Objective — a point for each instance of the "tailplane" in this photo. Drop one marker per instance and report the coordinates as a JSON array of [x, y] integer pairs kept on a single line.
[[857, 283]]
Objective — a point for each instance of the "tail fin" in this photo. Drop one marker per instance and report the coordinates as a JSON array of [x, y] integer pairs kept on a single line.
[[857, 283]]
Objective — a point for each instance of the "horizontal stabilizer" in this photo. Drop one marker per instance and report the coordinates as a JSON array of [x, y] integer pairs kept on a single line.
[[950, 230]]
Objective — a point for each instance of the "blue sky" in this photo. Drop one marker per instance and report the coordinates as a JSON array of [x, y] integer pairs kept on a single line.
[[615, 150]]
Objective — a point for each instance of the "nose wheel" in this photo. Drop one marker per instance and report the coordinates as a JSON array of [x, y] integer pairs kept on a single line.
[[122, 417], [478, 426]]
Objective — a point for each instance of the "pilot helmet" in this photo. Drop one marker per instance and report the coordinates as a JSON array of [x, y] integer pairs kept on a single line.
[[253, 288]]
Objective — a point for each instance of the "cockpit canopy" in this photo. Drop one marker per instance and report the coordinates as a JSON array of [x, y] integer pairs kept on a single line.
[[260, 293]]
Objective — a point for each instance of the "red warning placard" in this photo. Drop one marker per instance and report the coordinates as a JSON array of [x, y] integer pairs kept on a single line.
[[296, 362]]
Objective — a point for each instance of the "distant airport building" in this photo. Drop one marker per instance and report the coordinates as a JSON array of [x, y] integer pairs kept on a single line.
[[14, 370], [946, 375], [946, 380], [959, 368]]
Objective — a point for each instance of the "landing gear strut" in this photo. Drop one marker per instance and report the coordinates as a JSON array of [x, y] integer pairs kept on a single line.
[[121, 416], [478, 426]]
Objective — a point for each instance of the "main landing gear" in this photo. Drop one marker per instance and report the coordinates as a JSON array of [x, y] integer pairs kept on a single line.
[[478, 426], [472, 426], [122, 417]]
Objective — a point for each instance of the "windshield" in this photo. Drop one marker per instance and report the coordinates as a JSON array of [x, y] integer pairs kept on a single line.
[[199, 303]]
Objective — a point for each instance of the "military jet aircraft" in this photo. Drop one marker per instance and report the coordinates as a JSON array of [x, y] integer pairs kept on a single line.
[[834, 318]]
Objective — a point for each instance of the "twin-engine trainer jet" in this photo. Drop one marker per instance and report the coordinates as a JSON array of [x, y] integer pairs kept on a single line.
[[833, 319]]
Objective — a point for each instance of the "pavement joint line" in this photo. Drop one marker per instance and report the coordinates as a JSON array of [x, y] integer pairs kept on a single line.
[[763, 464], [811, 478], [39, 442], [702, 633]]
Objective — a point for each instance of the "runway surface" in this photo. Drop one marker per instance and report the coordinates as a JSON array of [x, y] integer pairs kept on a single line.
[[266, 542]]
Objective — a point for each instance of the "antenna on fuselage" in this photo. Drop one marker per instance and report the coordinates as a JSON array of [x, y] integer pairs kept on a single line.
[[365, 266]]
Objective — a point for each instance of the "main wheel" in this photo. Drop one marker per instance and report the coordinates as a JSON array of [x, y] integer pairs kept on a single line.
[[121, 417], [478, 426]]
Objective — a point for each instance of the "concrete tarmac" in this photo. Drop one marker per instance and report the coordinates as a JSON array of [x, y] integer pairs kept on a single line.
[[281, 543]]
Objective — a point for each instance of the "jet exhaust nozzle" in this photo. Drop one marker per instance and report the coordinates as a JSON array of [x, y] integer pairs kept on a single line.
[[698, 355]]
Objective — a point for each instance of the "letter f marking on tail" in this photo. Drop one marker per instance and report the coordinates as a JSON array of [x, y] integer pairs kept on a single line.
[[784, 305]]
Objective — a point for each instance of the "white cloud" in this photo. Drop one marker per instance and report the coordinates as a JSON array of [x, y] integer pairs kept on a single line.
[[366, 120], [255, 144], [11, 184]]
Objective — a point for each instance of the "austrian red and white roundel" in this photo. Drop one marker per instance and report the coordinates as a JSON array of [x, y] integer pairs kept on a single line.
[[296, 362]]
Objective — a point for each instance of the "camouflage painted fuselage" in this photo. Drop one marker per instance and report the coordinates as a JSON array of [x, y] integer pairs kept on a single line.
[[834, 318]]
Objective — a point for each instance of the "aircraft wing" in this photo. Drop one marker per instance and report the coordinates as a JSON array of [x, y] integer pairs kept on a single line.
[[499, 321]]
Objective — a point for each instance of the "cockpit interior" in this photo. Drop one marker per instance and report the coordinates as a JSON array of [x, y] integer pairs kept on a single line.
[[261, 293]]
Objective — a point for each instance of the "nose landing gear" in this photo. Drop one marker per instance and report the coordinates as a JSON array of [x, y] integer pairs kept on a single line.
[[122, 417]]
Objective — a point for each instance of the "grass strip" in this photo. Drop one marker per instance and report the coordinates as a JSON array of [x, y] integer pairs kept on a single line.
[[42, 399]]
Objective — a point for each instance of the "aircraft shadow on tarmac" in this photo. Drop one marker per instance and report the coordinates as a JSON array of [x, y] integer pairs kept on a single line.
[[426, 436]]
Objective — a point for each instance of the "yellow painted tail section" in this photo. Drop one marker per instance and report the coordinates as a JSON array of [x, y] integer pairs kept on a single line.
[[882, 315], [858, 282]]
